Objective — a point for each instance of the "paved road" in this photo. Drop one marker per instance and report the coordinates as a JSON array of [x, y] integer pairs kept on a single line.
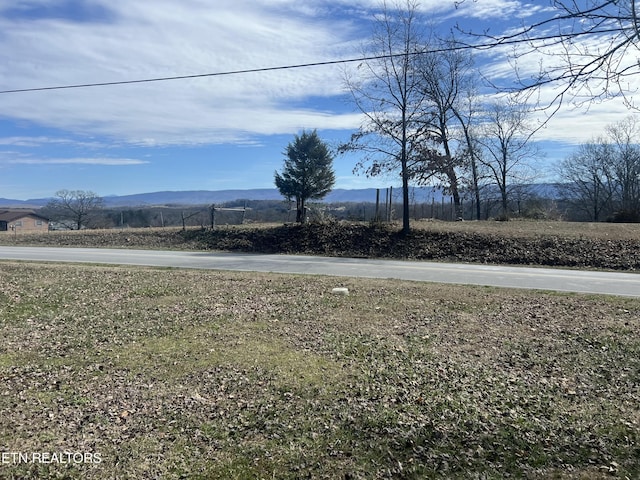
[[625, 284]]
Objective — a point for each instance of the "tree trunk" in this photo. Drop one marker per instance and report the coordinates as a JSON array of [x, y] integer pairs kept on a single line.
[[505, 202], [451, 173], [503, 186], [476, 187], [406, 227], [457, 204], [300, 213], [455, 193], [474, 164]]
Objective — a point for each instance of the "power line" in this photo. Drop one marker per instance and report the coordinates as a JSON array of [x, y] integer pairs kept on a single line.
[[497, 42], [224, 73], [201, 75]]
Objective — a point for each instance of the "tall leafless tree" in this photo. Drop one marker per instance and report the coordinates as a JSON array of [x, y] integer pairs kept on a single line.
[[625, 138], [504, 140], [605, 174], [467, 112], [387, 90], [446, 80], [588, 185]]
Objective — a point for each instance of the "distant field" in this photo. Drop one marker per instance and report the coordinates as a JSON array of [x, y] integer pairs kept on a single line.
[[188, 374]]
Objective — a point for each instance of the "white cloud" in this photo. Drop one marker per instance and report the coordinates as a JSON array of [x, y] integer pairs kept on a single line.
[[170, 38], [146, 39], [42, 141], [489, 9], [75, 161]]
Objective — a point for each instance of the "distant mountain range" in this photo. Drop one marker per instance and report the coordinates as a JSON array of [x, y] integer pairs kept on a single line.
[[207, 197]]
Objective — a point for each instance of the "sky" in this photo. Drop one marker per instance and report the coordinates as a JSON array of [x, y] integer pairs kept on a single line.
[[214, 132]]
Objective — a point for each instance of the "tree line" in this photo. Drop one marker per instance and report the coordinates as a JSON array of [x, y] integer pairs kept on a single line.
[[602, 177], [427, 116], [429, 120], [546, 201]]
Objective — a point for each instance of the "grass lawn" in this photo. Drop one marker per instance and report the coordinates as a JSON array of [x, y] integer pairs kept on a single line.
[[159, 373]]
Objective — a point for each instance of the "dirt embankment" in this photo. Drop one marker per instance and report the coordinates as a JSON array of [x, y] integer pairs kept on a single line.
[[499, 246], [388, 242]]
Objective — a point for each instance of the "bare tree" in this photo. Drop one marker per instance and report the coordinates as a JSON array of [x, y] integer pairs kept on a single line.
[[586, 49], [506, 148], [588, 184], [446, 80], [625, 169], [467, 111], [389, 94], [74, 208], [605, 174]]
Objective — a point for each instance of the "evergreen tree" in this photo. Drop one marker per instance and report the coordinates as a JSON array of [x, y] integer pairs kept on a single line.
[[307, 173]]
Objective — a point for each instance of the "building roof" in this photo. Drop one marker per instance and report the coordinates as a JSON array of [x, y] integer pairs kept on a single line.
[[11, 215]]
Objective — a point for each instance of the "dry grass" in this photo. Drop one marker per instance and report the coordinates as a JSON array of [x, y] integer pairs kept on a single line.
[[191, 374], [528, 228]]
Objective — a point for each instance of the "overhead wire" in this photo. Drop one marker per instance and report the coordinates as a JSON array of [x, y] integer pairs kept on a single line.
[[460, 46]]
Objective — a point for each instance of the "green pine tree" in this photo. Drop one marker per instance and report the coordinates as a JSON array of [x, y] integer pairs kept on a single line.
[[307, 173]]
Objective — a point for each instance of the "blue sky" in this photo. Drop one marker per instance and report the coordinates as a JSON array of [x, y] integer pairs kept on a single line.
[[210, 133]]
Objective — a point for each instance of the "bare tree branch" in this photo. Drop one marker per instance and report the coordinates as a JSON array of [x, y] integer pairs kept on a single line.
[[587, 50]]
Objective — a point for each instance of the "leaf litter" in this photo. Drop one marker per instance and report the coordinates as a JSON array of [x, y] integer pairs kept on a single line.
[[190, 374]]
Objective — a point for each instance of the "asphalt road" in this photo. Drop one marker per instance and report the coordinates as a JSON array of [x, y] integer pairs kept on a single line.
[[612, 283]]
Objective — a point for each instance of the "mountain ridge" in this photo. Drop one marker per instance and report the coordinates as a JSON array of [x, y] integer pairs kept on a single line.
[[208, 197]]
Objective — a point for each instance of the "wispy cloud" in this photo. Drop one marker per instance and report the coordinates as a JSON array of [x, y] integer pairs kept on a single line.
[[144, 39], [188, 37], [74, 161], [489, 9], [43, 141]]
